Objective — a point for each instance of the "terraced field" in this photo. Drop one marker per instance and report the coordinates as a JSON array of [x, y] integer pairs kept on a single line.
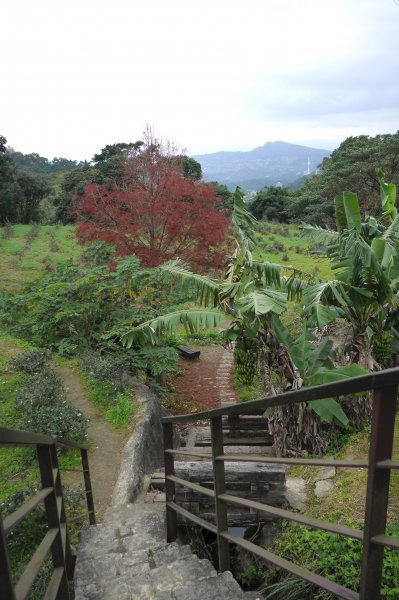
[[29, 250]]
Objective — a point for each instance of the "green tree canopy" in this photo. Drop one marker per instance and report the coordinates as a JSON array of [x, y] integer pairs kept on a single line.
[[352, 166]]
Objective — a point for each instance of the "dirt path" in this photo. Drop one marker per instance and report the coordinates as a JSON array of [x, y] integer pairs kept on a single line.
[[205, 383], [106, 443]]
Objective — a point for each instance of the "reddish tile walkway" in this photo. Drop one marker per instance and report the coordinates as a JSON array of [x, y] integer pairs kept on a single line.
[[204, 383]]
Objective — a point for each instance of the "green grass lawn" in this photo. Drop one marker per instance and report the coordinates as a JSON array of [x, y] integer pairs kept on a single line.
[[283, 244], [26, 256]]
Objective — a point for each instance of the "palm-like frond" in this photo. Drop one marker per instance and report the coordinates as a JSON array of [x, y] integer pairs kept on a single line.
[[267, 272], [319, 234], [242, 218], [192, 320], [206, 287], [391, 234], [320, 298]]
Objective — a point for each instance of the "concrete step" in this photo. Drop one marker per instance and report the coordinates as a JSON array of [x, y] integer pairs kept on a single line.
[[127, 558]]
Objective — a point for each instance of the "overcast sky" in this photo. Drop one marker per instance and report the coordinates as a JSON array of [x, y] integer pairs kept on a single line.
[[209, 75]]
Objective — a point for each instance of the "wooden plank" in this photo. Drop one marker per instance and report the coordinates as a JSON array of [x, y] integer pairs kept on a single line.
[[6, 583], [54, 584], [191, 486], [387, 464], [239, 441], [220, 488], [25, 583], [191, 517], [170, 488], [300, 572], [291, 516], [378, 379], [315, 462], [12, 520], [386, 540], [377, 494], [188, 352], [88, 487], [10, 437]]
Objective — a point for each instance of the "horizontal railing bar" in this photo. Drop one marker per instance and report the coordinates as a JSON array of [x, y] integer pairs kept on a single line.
[[73, 470], [363, 383], [387, 464], [386, 540], [54, 584], [78, 517], [16, 437], [190, 453], [23, 438], [192, 486], [64, 442], [190, 516], [316, 462], [281, 563], [29, 575], [14, 518], [291, 516]]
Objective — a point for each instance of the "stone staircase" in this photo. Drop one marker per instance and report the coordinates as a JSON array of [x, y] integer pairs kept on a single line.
[[127, 558]]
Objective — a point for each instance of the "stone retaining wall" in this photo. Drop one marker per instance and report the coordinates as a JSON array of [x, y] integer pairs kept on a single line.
[[144, 451]]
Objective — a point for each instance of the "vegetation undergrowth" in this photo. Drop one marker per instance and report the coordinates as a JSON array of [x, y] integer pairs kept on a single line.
[[332, 556]]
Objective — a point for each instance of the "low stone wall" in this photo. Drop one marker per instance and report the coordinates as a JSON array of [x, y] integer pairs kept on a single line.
[[144, 451]]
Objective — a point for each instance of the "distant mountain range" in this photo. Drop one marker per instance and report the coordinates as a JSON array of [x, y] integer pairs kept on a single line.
[[270, 164]]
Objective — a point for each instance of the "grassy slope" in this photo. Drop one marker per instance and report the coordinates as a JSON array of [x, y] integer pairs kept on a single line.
[[288, 235], [16, 464], [23, 261]]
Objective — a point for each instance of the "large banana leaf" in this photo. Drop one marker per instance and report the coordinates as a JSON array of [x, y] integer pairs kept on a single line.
[[388, 195], [352, 211], [206, 287], [261, 302], [192, 320], [318, 299], [328, 408]]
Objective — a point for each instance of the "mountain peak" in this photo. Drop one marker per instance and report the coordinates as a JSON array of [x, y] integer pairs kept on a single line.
[[263, 166]]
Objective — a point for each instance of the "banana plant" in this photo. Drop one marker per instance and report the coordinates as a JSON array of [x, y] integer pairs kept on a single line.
[[365, 258], [314, 363], [249, 293]]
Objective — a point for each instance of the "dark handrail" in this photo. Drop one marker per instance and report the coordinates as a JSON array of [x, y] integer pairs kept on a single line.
[[57, 536], [379, 465], [354, 385], [18, 437]]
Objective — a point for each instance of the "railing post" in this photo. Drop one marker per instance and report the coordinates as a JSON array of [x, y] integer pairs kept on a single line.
[[59, 494], [46, 466], [88, 488], [220, 488], [6, 585], [381, 445], [170, 488]]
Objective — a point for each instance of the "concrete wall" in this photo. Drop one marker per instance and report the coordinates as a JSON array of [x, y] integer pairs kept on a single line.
[[144, 451]]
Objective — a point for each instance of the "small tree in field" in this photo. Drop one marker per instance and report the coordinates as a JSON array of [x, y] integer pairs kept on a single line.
[[156, 212]]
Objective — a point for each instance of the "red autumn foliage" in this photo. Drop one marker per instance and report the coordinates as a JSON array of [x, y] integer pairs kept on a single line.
[[156, 213]]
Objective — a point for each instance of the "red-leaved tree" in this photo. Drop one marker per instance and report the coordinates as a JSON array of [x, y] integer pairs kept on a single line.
[[156, 212]]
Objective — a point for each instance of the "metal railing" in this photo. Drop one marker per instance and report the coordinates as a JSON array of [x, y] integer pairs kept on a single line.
[[56, 539], [372, 537]]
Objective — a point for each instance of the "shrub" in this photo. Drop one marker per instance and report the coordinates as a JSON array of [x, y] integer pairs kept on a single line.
[[105, 367], [30, 362], [40, 389], [59, 419]]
